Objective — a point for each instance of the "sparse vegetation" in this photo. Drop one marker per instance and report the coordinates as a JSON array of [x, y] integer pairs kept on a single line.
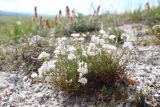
[[81, 56]]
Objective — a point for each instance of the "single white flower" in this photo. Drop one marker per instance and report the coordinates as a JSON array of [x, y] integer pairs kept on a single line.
[[95, 39], [105, 36], [101, 41], [57, 52], [71, 56], [125, 36], [61, 41], [81, 39], [82, 68], [44, 55], [35, 39], [48, 78], [75, 35], [34, 75], [25, 78], [80, 75], [108, 46], [102, 32], [82, 80], [46, 67], [60, 50], [112, 37], [71, 48], [156, 27], [84, 53], [51, 42], [84, 35], [128, 45], [92, 50], [69, 81], [63, 38]]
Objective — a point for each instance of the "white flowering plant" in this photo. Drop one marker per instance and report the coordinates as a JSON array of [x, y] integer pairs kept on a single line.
[[89, 68]]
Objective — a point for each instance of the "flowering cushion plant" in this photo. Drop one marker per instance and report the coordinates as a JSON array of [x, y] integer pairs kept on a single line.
[[79, 66]]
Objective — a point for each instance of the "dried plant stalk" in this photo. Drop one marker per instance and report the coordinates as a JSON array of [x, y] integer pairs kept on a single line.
[[67, 11], [60, 13], [147, 6], [41, 20], [47, 23], [98, 8], [35, 12]]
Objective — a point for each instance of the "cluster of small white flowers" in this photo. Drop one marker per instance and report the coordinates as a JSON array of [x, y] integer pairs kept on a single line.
[[125, 36], [35, 39], [71, 49], [108, 46], [102, 32], [97, 44], [84, 53], [82, 69], [80, 39], [71, 56], [60, 48], [105, 36], [156, 27], [97, 40], [44, 55], [84, 35], [112, 37], [46, 67], [82, 80], [61, 40], [71, 52], [101, 41], [128, 45], [69, 81], [93, 50], [75, 35], [34, 75]]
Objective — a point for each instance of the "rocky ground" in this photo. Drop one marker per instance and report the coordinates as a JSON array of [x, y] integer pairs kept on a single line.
[[145, 69], [18, 91]]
